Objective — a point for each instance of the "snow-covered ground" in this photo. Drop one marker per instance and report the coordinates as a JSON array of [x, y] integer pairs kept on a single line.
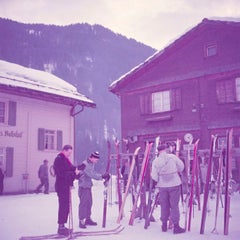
[[36, 214]]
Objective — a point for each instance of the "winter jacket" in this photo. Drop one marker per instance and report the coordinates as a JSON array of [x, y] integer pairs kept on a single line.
[[89, 173], [43, 171], [165, 170], [64, 171]]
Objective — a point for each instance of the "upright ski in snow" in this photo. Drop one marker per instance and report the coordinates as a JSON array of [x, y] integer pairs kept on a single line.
[[118, 165], [206, 189], [219, 192], [228, 172], [191, 198], [105, 191], [151, 192]]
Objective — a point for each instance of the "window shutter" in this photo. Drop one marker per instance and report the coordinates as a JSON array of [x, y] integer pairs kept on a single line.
[[59, 140], [230, 95], [41, 132], [9, 162], [225, 91], [145, 104], [175, 98], [12, 110]]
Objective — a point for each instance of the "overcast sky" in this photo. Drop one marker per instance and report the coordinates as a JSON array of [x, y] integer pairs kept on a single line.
[[152, 22]]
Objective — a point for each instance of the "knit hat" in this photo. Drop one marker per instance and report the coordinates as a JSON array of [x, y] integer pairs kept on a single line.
[[95, 154]]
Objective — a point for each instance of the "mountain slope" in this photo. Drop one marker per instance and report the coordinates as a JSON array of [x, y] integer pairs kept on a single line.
[[88, 56]]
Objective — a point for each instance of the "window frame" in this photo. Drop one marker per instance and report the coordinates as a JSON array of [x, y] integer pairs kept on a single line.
[[5, 121], [161, 103], [50, 139], [146, 105], [44, 135], [207, 50]]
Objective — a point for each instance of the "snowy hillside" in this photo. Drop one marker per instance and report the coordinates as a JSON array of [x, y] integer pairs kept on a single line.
[[36, 214], [89, 57]]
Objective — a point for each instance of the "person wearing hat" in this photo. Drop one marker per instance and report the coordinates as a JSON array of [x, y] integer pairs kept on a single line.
[[85, 190], [165, 172], [43, 176]]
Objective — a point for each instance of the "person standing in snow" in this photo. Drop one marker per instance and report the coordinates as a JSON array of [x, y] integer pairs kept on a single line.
[[43, 176], [85, 190], [1, 181], [65, 174], [165, 172]]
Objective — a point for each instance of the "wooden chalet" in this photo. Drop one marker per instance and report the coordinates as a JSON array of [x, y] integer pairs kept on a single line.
[[189, 90]]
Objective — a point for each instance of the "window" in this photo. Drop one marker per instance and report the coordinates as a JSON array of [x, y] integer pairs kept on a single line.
[[225, 91], [211, 50], [161, 101], [237, 88], [49, 139], [228, 90], [8, 113], [2, 112]]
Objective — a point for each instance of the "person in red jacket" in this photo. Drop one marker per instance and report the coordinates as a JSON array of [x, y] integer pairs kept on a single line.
[[65, 173]]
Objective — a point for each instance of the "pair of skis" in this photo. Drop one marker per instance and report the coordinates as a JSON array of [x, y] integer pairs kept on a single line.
[[128, 184], [140, 181], [207, 185], [77, 234], [153, 192], [194, 175], [227, 178]]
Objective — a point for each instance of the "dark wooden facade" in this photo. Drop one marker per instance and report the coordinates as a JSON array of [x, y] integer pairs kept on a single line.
[[196, 80]]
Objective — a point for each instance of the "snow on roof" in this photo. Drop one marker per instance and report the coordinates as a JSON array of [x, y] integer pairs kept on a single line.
[[224, 19], [18, 76], [115, 83]]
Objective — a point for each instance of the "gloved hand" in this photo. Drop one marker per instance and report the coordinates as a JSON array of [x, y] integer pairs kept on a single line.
[[106, 176], [81, 167]]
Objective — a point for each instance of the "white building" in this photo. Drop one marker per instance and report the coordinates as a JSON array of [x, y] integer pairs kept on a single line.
[[37, 113]]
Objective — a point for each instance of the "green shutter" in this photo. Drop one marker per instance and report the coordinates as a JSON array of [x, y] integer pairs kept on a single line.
[[12, 110], [59, 140], [9, 162], [145, 103], [41, 132], [175, 98]]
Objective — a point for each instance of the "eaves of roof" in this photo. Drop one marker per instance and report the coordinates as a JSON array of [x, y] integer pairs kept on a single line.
[[121, 82], [46, 96]]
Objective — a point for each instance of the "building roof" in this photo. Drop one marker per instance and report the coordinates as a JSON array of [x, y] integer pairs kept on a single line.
[[34, 83], [118, 84]]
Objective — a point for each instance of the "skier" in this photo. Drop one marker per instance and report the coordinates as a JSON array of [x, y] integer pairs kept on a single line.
[[165, 172], [65, 174], [43, 176], [85, 192]]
